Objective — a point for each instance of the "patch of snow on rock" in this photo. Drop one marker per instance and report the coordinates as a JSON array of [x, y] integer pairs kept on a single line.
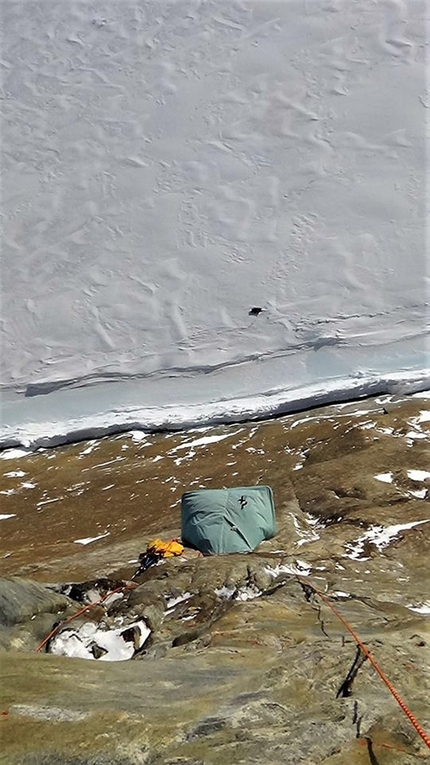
[[88, 449], [415, 435], [305, 536], [247, 592], [173, 602], [384, 477], [379, 536], [418, 475], [137, 435], [424, 608], [204, 441], [424, 416], [367, 425], [80, 642], [88, 540], [14, 454], [300, 568], [48, 501], [418, 493], [225, 593]]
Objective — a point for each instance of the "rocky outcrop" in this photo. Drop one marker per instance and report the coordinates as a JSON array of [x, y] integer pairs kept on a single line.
[[261, 679], [21, 600], [28, 610], [244, 663]]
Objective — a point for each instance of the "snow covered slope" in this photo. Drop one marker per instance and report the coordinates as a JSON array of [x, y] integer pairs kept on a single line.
[[169, 165]]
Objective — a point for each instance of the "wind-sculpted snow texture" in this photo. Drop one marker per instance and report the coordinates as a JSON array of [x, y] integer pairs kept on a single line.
[[168, 166]]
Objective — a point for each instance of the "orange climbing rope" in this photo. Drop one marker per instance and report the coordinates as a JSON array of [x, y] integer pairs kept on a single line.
[[374, 664], [82, 611]]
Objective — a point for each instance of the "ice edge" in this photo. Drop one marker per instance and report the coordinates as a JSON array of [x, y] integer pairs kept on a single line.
[[182, 417]]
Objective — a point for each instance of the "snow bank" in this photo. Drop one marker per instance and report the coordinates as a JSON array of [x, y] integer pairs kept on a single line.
[[43, 433]]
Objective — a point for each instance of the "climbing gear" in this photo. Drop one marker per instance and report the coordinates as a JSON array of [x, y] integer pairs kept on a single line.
[[421, 732], [165, 549], [156, 551]]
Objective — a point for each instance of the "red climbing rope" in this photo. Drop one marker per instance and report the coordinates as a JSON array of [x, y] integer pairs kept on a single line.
[[374, 664]]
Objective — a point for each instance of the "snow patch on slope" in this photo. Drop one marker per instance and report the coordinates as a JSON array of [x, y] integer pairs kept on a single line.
[[380, 537]]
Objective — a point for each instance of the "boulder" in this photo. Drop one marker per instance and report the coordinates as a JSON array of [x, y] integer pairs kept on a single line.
[[21, 599]]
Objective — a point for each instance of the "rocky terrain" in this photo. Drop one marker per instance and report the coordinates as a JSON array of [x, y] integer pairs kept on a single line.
[[234, 659]]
